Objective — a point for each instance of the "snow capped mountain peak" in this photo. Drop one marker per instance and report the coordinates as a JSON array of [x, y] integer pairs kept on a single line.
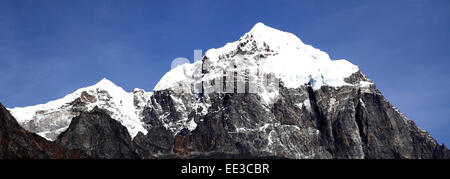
[[261, 37], [273, 37], [262, 29], [105, 83], [52, 118], [262, 51], [265, 50], [260, 26]]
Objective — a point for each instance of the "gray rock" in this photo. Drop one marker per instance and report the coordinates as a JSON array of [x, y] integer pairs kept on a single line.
[[99, 135], [353, 121], [18, 143]]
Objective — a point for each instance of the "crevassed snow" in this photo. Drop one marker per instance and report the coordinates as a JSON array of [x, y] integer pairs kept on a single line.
[[283, 54], [107, 96]]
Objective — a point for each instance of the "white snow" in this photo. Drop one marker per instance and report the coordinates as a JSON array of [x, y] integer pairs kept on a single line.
[[299, 105], [331, 104], [181, 74], [297, 63], [306, 104], [288, 59], [191, 125], [261, 51], [362, 103], [107, 95], [365, 84]]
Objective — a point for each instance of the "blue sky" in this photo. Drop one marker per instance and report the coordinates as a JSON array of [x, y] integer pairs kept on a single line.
[[49, 48]]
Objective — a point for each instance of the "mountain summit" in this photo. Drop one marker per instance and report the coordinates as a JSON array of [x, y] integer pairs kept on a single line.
[[264, 51], [50, 119], [265, 95]]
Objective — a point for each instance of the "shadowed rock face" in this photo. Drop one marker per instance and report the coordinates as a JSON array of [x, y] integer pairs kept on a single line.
[[353, 121], [99, 135], [346, 122], [17, 143]]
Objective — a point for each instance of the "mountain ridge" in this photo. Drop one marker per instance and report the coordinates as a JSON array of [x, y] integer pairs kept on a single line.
[[17, 143], [265, 95], [56, 114]]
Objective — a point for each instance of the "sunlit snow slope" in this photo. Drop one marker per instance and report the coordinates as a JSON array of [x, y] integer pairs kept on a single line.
[[263, 50], [52, 118]]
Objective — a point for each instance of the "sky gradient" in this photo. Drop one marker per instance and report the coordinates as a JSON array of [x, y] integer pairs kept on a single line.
[[50, 48]]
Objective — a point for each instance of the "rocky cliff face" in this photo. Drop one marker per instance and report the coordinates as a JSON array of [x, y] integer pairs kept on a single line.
[[346, 122], [322, 109], [51, 119], [99, 135], [17, 143], [267, 95]]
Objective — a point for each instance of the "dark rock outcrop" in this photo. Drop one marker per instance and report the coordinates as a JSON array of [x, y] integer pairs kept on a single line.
[[17, 143], [99, 135], [353, 121], [228, 105]]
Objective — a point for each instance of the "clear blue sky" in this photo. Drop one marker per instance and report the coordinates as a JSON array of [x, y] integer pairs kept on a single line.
[[49, 48]]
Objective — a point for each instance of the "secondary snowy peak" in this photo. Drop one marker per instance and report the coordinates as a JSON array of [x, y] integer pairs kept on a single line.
[[260, 53], [52, 118], [105, 83], [24, 114], [264, 50]]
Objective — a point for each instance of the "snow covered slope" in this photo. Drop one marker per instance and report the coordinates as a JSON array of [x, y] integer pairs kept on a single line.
[[263, 50], [266, 95], [52, 118]]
